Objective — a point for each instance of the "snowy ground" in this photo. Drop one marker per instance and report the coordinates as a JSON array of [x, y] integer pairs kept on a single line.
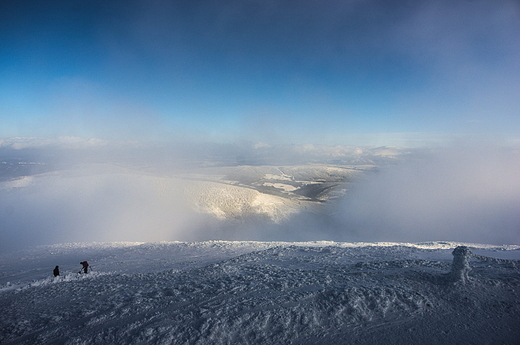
[[220, 292]]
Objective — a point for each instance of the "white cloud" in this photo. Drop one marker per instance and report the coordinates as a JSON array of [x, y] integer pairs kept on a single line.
[[462, 194]]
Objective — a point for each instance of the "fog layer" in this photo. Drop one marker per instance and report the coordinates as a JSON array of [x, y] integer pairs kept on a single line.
[[92, 206], [470, 194]]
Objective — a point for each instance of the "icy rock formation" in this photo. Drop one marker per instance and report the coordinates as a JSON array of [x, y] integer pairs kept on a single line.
[[460, 267]]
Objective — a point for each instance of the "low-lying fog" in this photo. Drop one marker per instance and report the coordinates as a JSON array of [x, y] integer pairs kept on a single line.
[[470, 194], [92, 193]]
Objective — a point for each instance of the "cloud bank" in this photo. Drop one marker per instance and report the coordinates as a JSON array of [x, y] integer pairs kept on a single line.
[[461, 194], [92, 206], [97, 191]]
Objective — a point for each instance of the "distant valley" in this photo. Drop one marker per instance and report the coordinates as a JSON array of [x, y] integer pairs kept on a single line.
[[215, 185]]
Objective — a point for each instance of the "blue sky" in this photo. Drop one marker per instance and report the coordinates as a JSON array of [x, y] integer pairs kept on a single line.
[[328, 72]]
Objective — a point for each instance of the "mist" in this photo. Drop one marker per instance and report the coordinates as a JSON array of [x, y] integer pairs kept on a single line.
[[469, 193], [92, 206], [96, 191]]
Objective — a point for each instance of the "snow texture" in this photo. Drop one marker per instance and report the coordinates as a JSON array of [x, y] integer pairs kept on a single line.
[[220, 292]]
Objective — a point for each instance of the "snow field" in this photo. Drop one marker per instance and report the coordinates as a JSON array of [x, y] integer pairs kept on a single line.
[[220, 292]]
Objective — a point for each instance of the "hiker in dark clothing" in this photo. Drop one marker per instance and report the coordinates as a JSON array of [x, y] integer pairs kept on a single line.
[[56, 271], [85, 266]]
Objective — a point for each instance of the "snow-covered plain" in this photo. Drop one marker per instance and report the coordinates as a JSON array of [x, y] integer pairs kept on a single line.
[[223, 292]]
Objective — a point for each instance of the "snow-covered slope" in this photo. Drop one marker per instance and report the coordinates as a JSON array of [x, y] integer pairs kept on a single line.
[[258, 293]]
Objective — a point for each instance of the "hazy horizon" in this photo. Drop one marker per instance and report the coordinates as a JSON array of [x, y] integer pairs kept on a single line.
[[96, 191], [102, 103]]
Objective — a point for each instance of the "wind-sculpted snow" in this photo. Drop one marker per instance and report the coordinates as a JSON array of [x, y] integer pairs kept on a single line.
[[258, 293]]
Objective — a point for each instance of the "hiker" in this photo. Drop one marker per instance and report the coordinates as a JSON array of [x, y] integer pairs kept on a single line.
[[56, 271], [85, 266]]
